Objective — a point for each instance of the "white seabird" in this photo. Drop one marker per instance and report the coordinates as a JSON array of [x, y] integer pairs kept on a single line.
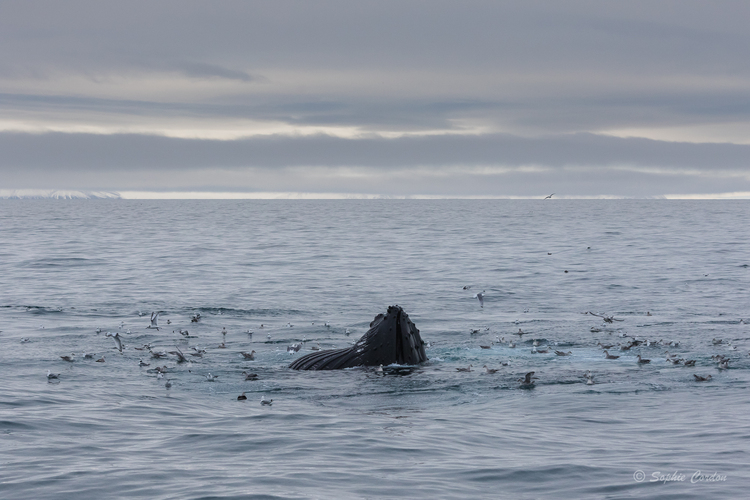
[[265, 402], [480, 296], [154, 319], [116, 338], [51, 375]]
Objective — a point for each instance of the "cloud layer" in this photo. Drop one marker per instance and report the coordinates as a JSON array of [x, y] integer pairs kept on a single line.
[[451, 98]]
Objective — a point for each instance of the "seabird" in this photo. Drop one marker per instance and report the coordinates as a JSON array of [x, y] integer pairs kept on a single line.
[[723, 365], [250, 376], [159, 375], [222, 346], [88, 355], [595, 329], [241, 397], [168, 383], [180, 356], [607, 319], [315, 347], [101, 360], [716, 341], [468, 369], [511, 344], [263, 401], [223, 330], [294, 348], [560, 353], [521, 333], [485, 346], [528, 381], [467, 287], [145, 347], [24, 340], [609, 356], [490, 371], [549, 197], [159, 354], [675, 361], [480, 296], [143, 363], [248, 355], [211, 378], [607, 346], [698, 378], [154, 318], [184, 333], [642, 361], [379, 369], [690, 362], [51, 375], [68, 358], [535, 343], [347, 332], [116, 338]]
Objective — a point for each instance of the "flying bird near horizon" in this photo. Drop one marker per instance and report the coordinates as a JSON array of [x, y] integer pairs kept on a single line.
[[549, 197]]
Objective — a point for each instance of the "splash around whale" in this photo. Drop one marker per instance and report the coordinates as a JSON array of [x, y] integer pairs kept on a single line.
[[392, 338]]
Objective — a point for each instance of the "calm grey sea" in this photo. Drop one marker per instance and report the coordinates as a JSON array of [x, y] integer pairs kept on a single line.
[[673, 272]]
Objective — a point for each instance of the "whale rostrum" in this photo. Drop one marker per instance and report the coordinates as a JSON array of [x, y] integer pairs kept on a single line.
[[392, 338]]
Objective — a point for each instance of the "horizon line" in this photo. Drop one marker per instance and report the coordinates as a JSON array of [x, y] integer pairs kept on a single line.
[[297, 195]]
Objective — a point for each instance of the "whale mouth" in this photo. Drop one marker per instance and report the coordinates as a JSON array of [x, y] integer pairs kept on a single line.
[[391, 339]]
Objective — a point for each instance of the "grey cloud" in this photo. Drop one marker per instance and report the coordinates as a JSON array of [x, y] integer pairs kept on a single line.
[[103, 152]]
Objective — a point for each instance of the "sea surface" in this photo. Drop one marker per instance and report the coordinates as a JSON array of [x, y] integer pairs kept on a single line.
[[673, 274]]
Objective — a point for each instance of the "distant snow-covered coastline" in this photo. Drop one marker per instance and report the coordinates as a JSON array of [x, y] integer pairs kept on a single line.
[[17, 194]]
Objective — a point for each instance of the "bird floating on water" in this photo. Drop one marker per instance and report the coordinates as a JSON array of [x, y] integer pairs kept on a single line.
[[250, 376], [490, 371], [51, 376], [609, 356], [143, 363], [68, 358], [241, 397], [698, 378], [265, 402], [642, 361], [561, 353], [467, 369], [248, 355], [211, 378], [168, 383], [101, 360]]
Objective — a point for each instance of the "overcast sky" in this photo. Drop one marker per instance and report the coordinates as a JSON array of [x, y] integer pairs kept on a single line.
[[402, 98]]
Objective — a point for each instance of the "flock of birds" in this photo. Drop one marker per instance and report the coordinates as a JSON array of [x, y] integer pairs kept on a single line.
[[526, 382]]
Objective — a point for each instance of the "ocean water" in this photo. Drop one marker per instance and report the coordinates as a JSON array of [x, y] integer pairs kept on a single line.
[[668, 272]]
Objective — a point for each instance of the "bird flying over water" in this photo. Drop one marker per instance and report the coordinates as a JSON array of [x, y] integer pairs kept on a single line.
[[116, 338], [154, 319], [549, 197], [480, 296]]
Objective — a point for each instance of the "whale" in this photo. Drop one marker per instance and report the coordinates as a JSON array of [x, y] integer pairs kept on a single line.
[[392, 338]]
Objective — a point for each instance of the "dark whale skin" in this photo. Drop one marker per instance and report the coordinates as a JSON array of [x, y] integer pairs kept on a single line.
[[392, 338]]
